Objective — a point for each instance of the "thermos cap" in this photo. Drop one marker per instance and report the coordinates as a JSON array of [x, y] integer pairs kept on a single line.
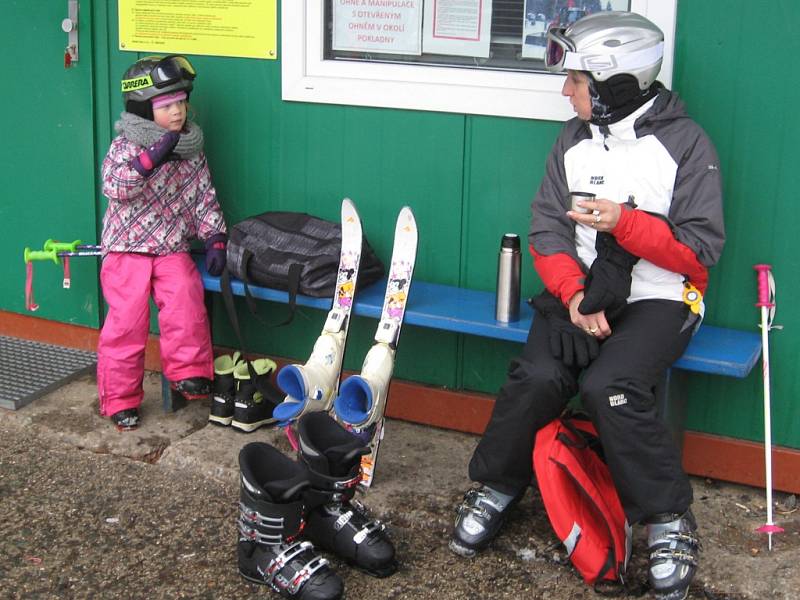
[[510, 240]]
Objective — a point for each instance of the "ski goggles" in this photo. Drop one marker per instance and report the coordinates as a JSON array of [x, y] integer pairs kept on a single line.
[[169, 70], [172, 69], [556, 48], [560, 54]]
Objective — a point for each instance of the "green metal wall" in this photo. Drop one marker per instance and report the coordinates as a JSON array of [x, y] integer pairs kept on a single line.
[[470, 179], [46, 162]]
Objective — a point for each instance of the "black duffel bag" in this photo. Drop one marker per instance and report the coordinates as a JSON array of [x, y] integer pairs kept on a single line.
[[289, 251], [282, 249]]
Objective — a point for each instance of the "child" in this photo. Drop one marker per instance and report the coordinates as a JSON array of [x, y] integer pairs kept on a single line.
[[160, 196]]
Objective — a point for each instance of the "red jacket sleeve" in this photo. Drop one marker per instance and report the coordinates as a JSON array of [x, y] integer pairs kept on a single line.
[[561, 274], [651, 238]]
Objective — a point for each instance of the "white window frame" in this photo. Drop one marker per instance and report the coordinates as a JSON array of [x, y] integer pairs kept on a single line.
[[307, 77]]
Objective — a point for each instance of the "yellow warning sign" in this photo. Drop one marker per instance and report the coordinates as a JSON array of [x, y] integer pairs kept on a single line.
[[244, 28]]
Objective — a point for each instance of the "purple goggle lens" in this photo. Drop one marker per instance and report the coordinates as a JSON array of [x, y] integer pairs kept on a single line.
[[556, 49]]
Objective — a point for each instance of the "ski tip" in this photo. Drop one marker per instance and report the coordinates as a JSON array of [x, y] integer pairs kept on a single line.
[[406, 223], [350, 214], [407, 213]]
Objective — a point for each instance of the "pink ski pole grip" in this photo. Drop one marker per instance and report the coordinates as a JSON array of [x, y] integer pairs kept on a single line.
[[763, 285]]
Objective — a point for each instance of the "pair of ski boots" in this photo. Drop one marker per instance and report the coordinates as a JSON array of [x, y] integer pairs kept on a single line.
[[282, 501], [241, 396]]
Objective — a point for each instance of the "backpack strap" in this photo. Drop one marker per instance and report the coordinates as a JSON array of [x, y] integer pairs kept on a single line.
[[267, 389], [583, 434], [295, 271]]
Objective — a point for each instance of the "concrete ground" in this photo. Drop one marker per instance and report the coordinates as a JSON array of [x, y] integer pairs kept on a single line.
[[88, 512]]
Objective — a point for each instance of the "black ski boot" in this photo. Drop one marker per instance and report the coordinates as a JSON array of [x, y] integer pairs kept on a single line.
[[337, 522], [674, 547], [126, 420], [193, 388], [254, 402], [479, 518], [225, 388], [270, 520]]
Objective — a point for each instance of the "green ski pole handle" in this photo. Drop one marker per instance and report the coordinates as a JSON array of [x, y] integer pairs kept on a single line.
[[29, 255], [61, 246]]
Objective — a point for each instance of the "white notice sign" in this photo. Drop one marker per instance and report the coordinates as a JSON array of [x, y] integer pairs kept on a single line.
[[458, 27], [385, 26]]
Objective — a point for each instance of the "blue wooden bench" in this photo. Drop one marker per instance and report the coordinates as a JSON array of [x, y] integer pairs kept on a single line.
[[713, 350]]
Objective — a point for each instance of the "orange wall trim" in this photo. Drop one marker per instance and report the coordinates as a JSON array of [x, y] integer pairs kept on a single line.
[[64, 334], [704, 455]]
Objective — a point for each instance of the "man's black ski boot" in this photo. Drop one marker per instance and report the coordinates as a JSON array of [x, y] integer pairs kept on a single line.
[[479, 518], [270, 521], [337, 522], [674, 547]]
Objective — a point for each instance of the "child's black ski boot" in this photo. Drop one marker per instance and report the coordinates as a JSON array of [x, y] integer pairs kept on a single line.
[[126, 420], [336, 522], [221, 412], [254, 403], [674, 547], [270, 520], [193, 388]]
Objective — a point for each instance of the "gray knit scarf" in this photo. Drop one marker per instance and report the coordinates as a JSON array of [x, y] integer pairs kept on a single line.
[[146, 133]]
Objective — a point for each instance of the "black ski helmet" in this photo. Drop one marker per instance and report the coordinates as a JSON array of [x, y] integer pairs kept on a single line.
[[153, 76]]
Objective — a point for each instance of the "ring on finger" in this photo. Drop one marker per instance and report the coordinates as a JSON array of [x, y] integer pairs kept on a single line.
[[593, 329], [598, 218]]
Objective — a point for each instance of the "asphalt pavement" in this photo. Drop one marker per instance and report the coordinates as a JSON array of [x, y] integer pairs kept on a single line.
[[89, 512]]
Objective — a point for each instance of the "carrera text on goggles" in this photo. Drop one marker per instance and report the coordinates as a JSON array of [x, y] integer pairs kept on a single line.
[[137, 83]]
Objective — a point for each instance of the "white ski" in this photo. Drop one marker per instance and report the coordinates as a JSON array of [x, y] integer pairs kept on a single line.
[[313, 386], [361, 402]]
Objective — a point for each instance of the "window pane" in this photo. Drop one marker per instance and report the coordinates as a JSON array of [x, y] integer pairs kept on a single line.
[[518, 29]]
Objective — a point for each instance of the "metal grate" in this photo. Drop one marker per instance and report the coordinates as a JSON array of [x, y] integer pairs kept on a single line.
[[29, 370]]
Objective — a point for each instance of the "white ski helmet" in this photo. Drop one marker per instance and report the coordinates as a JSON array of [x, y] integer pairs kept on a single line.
[[606, 44]]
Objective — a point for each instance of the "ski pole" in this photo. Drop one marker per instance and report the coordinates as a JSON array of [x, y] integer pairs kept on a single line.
[[55, 251], [766, 301]]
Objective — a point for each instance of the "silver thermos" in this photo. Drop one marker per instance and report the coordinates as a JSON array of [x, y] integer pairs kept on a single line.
[[508, 274]]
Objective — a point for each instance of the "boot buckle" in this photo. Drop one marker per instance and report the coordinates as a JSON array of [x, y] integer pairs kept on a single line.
[[305, 573], [280, 561], [368, 529], [254, 535]]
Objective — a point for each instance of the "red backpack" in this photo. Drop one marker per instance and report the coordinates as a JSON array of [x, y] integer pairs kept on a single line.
[[581, 500]]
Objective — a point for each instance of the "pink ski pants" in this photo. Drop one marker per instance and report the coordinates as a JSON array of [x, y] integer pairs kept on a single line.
[[128, 281]]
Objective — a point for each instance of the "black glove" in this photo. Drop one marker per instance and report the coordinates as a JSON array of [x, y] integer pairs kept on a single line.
[[608, 284], [150, 159], [569, 343]]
